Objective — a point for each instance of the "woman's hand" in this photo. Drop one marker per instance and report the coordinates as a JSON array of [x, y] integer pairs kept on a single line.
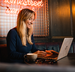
[[50, 52], [46, 53], [54, 52], [40, 54]]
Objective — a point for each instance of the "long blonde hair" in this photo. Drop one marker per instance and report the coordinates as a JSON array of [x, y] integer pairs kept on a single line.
[[24, 33]]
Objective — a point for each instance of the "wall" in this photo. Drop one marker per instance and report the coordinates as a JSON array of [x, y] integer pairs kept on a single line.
[[60, 19], [73, 17]]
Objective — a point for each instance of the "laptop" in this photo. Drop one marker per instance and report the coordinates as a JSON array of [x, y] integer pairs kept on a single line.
[[63, 50]]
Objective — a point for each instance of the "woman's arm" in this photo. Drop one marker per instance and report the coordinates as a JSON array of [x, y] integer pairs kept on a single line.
[[34, 49], [37, 51], [11, 44]]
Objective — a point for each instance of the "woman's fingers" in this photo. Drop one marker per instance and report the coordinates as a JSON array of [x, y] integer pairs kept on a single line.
[[54, 52], [48, 51], [45, 53], [51, 51], [40, 53]]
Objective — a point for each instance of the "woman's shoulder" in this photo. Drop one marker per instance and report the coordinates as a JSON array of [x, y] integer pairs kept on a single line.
[[12, 31]]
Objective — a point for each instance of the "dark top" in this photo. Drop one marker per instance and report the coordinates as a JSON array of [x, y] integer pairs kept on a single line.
[[16, 50]]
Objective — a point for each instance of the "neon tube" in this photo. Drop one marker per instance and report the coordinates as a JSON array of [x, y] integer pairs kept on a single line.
[[24, 2]]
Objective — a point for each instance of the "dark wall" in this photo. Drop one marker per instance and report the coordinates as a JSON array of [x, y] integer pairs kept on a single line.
[[60, 19], [73, 17]]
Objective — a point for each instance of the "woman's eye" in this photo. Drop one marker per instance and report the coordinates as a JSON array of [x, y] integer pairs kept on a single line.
[[29, 18]]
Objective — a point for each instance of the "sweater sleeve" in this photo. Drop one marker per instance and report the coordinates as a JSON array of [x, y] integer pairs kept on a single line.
[[11, 44], [34, 49]]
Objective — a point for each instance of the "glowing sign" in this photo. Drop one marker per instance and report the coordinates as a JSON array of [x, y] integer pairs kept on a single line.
[[21, 3], [12, 11], [24, 2]]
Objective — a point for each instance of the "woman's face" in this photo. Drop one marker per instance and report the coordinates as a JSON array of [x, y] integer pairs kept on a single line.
[[29, 22]]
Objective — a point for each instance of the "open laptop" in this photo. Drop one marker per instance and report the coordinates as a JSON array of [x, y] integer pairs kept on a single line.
[[63, 50]]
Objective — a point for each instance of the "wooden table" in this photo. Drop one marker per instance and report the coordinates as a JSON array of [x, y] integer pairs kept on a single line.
[[66, 61], [66, 64]]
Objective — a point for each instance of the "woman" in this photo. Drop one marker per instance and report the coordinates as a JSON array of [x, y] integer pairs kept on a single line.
[[20, 39]]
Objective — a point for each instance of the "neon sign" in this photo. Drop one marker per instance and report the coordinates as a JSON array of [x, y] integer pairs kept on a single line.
[[12, 11], [24, 2]]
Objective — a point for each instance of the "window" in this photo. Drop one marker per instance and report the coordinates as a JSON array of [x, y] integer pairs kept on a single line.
[[8, 16]]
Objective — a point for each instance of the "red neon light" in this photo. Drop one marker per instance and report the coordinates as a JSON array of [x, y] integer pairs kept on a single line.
[[12, 11], [24, 2]]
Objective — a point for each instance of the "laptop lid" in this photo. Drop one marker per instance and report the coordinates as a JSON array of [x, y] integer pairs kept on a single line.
[[65, 48]]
